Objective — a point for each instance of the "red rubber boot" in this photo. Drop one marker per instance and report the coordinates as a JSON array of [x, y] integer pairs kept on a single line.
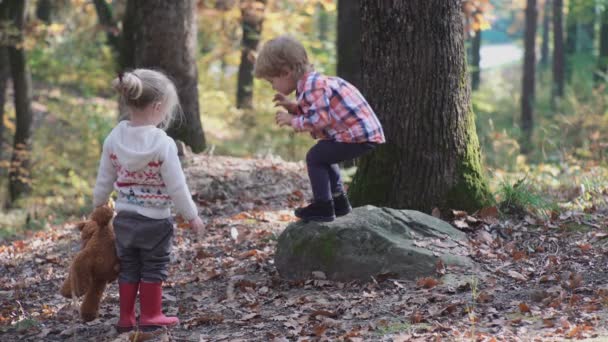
[[150, 304], [127, 294]]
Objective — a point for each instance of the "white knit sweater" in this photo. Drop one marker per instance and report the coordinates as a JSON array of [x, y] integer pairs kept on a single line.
[[141, 164]]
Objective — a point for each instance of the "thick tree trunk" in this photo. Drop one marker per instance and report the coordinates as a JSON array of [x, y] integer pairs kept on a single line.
[[544, 50], [603, 53], [528, 82], [415, 77], [475, 60], [19, 173], [252, 16], [349, 42], [44, 9], [166, 39], [558, 50]]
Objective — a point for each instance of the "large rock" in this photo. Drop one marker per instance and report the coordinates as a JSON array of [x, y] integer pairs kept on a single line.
[[368, 242]]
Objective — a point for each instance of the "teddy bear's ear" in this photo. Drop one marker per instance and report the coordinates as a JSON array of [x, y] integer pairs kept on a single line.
[[102, 215], [81, 225]]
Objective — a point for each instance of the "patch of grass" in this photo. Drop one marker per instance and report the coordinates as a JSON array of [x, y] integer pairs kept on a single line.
[[398, 327], [523, 197]]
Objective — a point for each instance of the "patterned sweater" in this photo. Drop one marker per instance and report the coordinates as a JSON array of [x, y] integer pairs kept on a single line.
[[141, 164]]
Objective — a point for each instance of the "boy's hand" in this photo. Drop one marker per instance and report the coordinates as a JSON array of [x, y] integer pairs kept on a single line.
[[197, 225], [283, 118], [282, 101]]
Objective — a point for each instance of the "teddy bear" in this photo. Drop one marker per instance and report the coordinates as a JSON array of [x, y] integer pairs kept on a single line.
[[95, 265]]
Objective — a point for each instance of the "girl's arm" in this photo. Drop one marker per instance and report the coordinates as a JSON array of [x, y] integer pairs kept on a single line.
[[175, 181], [106, 176]]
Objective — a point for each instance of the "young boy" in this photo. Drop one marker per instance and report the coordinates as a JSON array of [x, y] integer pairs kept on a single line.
[[331, 109]]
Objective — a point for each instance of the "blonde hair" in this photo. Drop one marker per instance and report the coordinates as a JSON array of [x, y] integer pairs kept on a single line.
[[280, 55], [141, 87]]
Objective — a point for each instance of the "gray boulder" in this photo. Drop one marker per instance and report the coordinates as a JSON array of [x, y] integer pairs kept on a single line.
[[368, 242]]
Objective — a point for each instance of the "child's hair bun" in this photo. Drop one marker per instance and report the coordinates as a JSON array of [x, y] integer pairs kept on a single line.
[[128, 85]]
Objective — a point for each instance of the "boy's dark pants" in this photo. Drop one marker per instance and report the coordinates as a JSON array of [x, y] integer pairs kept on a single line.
[[143, 246], [323, 170]]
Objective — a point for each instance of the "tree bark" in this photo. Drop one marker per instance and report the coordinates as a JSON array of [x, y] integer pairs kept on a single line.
[[252, 18], [19, 173], [558, 51], [475, 60], [44, 8], [415, 77], [544, 50], [603, 53], [165, 39], [528, 79], [349, 42], [129, 28]]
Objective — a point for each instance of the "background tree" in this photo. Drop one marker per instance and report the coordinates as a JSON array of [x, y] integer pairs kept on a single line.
[[558, 51], [44, 10], [349, 42], [603, 47], [121, 42], [544, 49], [252, 20], [416, 80], [19, 173], [528, 79], [166, 40], [476, 20]]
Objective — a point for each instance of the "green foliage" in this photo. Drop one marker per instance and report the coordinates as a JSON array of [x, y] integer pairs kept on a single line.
[[523, 197]]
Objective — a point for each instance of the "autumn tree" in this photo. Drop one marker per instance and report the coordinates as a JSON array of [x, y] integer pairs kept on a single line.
[[349, 42], [165, 33], [19, 172], [415, 78], [252, 18], [528, 79], [558, 51]]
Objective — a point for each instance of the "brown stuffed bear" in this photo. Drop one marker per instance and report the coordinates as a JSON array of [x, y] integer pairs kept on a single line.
[[95, 265]]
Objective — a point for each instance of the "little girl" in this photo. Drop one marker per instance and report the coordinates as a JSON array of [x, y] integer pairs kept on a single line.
[[139, 161]]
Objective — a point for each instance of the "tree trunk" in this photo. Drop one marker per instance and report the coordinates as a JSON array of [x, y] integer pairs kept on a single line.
[[603, 53], [544, 50], [323, 22], [570, 47], [349, 42], [165, 39], [44, 8], [587, 29], [129, 28], [415, 77], [4, 77], [107, 21], [475, 60], [19, 173], [252, 16], [558, 51], [528, 83]]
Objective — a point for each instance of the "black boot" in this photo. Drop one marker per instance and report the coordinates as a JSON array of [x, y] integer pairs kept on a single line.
[[317, 211], [342, 205]]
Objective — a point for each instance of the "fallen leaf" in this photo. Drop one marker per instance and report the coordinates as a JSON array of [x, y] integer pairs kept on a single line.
[[427, 283], [523, 308]]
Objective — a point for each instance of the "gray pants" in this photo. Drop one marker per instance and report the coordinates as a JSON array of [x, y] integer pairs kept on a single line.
[[143, 246]]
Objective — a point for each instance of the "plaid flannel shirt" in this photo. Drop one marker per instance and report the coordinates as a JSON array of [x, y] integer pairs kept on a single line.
[[332, 109]]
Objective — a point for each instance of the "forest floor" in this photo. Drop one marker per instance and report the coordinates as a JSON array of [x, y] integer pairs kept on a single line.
[[542, 280]]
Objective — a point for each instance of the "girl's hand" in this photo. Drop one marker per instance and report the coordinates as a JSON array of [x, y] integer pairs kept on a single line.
[[197, 225], [283, 118], [281, 100]]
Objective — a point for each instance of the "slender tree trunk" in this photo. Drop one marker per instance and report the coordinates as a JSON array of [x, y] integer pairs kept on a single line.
[[252, 12], [544, 50], [558, 51], [571, 43], [527, 95], [108, 22], [19, 173], [603, 53], [349, 42], [166, 40], [587, 30], [415, 77], [323, 22], [475, 60], [4, 77], [44, 8]]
